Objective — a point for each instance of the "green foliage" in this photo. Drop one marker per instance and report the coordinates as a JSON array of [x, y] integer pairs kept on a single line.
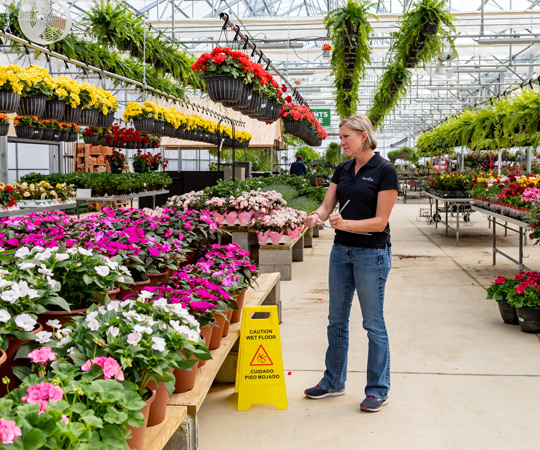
[[304, 203], [288, 192], [333, 153], [392, 86], [106, 183], [307, 153], [412, 45], [349, 29]]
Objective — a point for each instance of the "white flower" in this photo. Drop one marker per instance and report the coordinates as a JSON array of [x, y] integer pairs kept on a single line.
[[158, 344], [114, 305], [144, 295], [142, 329], [113, 331], [134, 338], [27, 291], [4, 272], [43, 337], [121, 279], [129, 314], [11, 295], [125, 270], [91, 316], [71, 251], [54, 323], [45, 255], [64, 341], [22, 252], [52, 283], [25, 322], [193, 336], [45, 271], [102, 271], [26, 266], [112, 264], [4, 315], [62, 256], [93, 324], [4, 283], [83, 251], [161, 303]]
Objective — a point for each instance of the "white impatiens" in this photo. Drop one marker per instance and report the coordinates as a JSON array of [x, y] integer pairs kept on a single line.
[[26, 322], [43, 337], [159, 344], [5, 316], [102, 270], [134, 338]]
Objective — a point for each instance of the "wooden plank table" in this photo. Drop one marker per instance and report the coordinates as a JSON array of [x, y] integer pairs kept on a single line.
[[156, 437]]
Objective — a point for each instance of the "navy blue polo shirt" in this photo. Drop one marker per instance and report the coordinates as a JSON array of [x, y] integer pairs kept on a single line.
[[362, 190]]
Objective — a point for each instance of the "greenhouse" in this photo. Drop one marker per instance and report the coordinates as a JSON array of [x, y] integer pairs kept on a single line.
[[269, 224]]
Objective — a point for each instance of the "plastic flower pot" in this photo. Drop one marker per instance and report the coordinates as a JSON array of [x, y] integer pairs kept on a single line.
[[89, 117], [274, 236], [9, 101], [72, 115], [54, 110], [64, 135], [245, 217], [263, 237], [231, 217], [219, 218], [32, 106], [105, 120], [224, 88], [4, 128], [144, 125], [24, 132]]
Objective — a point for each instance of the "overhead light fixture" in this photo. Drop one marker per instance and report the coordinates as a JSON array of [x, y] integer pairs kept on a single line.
[[279, 45], [519, 41], [480, 70]]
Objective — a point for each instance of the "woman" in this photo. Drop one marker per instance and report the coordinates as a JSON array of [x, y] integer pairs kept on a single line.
[[366, 188]]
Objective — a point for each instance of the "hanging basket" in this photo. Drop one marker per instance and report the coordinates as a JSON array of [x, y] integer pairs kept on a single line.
[[89, 117], [291, 127], [87, 139], [159, 127], [9, 101], [105, 120], [222, 88], [245, 98], [180, 132], [169, 130], [261, 110], [51, 135], [144, 125], [24, 132], [64, 134], [32, 106], [72, 115], [4, 128], [54, 110]]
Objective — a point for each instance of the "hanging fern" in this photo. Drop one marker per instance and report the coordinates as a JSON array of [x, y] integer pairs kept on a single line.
[[349, 30]]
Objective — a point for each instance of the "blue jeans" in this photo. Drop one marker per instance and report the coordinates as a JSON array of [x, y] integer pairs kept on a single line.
[[365, 269]]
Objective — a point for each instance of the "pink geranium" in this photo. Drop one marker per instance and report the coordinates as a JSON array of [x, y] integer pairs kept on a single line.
[[9, 431], [40, 393], [42, 355], [111, 368]]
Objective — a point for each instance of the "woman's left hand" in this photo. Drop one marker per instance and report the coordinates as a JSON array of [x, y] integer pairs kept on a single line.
[[336, 221]]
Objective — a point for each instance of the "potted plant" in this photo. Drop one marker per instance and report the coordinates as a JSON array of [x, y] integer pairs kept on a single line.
[[424, 32], [25, 126], [349, 29], [4, 124], [143, 116], [498, 290], [89, 98], [525, 298], [116, 161], [91, 401], [69, 91], [37, 85], [10, 88], [51, 130], [73, 131], [140, 161], [107, 104]]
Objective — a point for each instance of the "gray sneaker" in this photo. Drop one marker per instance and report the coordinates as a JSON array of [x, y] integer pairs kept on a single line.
[[373, 404], [318, 392]]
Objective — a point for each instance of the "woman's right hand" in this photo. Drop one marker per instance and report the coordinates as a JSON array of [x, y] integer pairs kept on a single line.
[[311, 221]]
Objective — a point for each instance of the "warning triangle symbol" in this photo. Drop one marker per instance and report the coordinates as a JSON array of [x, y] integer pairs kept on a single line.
[[261, 358]]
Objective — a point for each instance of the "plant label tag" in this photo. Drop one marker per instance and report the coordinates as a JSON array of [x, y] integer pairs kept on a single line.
[[83, 193]]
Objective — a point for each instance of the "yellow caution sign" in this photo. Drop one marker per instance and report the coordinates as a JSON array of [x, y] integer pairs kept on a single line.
[[259, 374]]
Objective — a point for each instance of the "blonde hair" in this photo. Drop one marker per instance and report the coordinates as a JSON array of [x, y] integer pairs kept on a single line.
[[360, 123]]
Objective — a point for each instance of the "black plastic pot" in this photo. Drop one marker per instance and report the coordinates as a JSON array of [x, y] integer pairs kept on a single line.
[[139, 169], [90, 139], [169, 130], [72, 136], [508, 313], [245, 98], [32, 106], [529, 319], [9, 101], [89, 117], [38, 133], [144, 125], [222, 88], [64, 134], [72, 115], [54, 110], [159, 127], [4, 128], [105, 120], [24, 132], [51, 135], [117, 169]]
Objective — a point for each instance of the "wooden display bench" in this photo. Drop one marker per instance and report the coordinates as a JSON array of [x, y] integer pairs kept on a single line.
[[179, 431], [279, 257]]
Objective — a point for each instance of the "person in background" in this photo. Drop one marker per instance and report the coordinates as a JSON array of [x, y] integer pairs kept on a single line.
[[298, 167], [366, 187]]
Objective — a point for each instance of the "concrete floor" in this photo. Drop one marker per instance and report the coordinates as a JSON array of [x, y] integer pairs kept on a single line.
[[461, 378]]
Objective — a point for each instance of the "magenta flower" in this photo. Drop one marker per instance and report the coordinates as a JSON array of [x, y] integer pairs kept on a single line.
[[9, 431]]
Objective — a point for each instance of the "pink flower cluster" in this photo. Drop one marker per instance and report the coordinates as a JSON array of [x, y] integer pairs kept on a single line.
[[111, 368], [42, 355], [40, 393], [531, 195], [9, 431], [500, 280], [527, 279]]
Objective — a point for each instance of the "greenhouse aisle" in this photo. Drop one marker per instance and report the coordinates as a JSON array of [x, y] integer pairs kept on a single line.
[[453, 359]]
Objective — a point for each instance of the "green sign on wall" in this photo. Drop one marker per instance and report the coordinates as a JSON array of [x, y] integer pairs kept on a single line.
[[323, 116]]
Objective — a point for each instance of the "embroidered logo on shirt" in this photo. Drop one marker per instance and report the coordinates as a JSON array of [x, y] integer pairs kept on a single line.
[[367, 178]]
